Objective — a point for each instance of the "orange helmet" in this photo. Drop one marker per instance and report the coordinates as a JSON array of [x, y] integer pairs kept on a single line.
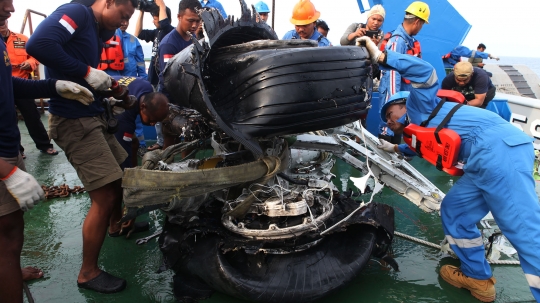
[[304, 12]]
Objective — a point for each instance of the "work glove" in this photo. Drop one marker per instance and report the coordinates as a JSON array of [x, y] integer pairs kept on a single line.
[[494, 57], [24, 188], [371, 47], [74, 91], [98, 79], [386, 146], [130, 102], [116, 106]]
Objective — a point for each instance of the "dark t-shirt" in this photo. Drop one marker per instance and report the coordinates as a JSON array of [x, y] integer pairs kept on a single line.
[[155, 35], [480, 83], [67, 43], [137, 87]]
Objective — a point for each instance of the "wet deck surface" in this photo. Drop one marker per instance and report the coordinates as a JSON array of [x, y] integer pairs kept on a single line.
[[53, 242]]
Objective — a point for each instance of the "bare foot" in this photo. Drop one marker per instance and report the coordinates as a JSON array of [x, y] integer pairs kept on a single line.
[[31, 273]]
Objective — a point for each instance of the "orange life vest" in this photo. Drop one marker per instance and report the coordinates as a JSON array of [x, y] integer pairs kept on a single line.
[[438, 145], [112, 56], [16, 49], [414, 50]]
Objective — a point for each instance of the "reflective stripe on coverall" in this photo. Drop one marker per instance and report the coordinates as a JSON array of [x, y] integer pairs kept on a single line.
[[498, 176]]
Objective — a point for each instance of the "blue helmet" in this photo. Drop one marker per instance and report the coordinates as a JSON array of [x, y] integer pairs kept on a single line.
[[397, 98], [261, 7]]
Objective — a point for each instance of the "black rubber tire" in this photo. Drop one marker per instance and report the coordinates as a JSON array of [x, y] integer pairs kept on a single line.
[[297, 277], [276, 91]]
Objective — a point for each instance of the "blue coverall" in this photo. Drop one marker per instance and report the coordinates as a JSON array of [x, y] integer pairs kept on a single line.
[[461, 51], [321, 40], [391, 81], [215, 4], [133, 56], [497, 176]]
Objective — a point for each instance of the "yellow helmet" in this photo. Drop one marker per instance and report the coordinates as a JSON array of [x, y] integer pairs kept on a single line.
[[419, 9], [304, 12]]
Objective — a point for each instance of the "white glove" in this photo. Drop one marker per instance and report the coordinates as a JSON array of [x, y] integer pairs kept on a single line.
[[371, 47], [74, 91], [116, 108], [494, 57], [386, 146], [24, 188], [98, 79]]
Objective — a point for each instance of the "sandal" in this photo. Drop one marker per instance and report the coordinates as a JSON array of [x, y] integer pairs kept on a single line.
[[49, 151], [104, 283], [154, 147]]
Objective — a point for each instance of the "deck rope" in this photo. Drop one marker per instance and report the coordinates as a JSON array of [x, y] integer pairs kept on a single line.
[[433, 245]]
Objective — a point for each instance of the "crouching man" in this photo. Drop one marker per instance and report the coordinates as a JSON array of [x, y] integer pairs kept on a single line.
[[152, 106], [497, 157]]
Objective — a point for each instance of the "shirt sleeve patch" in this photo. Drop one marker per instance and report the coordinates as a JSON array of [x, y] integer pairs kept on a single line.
[[166, 57], [68, 23]]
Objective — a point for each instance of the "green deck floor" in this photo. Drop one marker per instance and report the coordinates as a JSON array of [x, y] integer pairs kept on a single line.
[[53, 242]]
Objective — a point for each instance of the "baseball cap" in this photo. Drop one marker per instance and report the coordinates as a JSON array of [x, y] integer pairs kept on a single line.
[[463, 70]]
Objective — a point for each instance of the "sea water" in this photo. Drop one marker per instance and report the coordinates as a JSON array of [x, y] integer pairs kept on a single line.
[[532, 63]]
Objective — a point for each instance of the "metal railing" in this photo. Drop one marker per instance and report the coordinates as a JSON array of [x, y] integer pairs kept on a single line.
[[36, 73]]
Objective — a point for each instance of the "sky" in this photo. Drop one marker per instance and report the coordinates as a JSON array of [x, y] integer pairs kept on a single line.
[[507, 28]]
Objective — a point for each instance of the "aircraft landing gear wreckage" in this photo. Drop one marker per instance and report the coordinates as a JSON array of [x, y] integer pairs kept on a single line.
[[260, 220]]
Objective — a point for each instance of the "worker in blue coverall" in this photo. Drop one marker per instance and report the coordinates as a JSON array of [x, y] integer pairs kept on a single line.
[[304, 18], [133, 54], [152, 107], [455, 55], [498, 159], [403, 42], [215, 4], [263, 10]]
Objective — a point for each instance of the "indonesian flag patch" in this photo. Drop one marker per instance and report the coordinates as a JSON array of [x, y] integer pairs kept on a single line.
[[127, 137], [166, 57], [68, 23]]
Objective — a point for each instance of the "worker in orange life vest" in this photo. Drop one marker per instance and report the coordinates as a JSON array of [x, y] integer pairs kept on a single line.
[[112, 56], [498, 159], [401, 41]]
